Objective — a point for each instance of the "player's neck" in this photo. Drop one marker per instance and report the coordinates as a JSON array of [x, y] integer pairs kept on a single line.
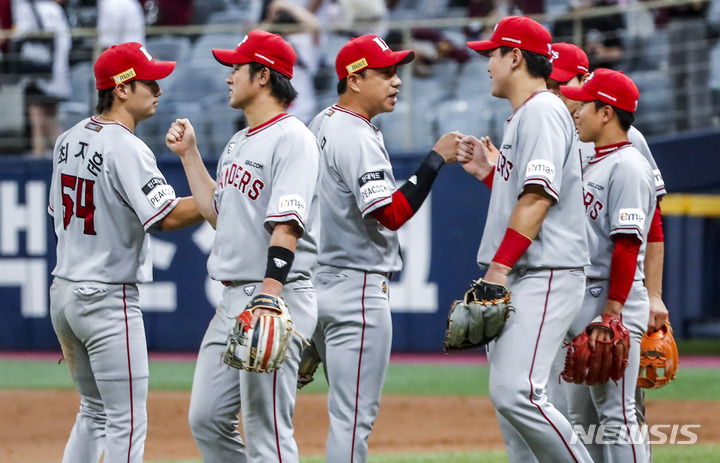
[[611, 135], [347, 101], [121, 117], [523, 89], [262, 110]]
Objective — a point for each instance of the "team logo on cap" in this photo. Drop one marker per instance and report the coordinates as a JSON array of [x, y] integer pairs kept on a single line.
[[146, 53], [124, 76], [357, 66]]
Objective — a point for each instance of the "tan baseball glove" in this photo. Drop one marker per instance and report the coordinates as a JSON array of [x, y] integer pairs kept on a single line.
[[260, 349]]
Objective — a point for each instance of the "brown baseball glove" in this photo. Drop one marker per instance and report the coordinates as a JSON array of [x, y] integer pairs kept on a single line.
[[609, 359], [309, 361]]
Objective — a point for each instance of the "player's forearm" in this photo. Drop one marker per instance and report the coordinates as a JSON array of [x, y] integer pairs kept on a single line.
[[184, 214], [529, 213], [654, 258], [281, 254], [201, 184]]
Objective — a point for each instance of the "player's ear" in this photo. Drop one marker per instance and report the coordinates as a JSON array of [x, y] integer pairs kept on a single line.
[[517, 57], [263, 76], [353, 82], [121, 91]]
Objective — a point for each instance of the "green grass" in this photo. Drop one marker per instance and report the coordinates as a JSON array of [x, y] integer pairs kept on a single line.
[[698, 346], [455, 380], [459, 380], [697, 453]]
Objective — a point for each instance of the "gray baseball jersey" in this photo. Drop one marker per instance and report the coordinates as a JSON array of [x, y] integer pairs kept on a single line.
[[106, 192], [619, 198], [638, 141], [356, 178], [265, 176], [256, 185], [546, 154]]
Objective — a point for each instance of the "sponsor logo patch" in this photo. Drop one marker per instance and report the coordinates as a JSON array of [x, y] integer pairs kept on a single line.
[[371, 177], [254, 164], [93, 126], [124, 76], [292, 203], [374, 190], [659, 182], [357, 66], [154, 182], [158, 192], [631, 217], [541, 168], [596, 186]]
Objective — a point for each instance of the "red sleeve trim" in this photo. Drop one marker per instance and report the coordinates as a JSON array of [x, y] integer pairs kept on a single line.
[[623, 266], [488, 181], [513, 245], [656, 231], [395, 214]]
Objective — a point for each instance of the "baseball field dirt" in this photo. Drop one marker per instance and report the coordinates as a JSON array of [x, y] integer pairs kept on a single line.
[[34, 425]]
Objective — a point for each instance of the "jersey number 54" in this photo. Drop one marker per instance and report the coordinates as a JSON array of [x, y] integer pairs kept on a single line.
[[83, 206]]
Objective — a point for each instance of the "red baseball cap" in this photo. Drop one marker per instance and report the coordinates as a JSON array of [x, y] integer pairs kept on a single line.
[[568, 61], [126, 62], [368, 51], [261, 47], [608, 86], [516, 32]]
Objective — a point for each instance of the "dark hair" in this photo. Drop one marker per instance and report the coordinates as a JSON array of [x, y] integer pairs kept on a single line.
[[342, 85], [280, 86], [537, 65], [107, 97], [625, 118]]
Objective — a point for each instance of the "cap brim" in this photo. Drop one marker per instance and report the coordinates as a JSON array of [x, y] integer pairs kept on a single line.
[[484, 47], [396, 57], [576, 93], [230, 57], [158, 70], [562, 75]]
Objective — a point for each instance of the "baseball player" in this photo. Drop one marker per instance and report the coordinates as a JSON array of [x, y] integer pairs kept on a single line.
[[361, 210], [106, 195], [570, 68], [533, 241], [620, 201], [260, 206]]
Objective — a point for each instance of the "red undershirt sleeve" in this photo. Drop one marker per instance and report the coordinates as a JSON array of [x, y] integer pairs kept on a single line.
[[623, 266], [656, 231], [395, 214]]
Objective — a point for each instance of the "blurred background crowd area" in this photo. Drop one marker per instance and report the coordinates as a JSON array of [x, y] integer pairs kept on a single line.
[[669, 47]]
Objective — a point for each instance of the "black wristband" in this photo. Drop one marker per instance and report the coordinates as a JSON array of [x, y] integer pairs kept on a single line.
[[279, 263], [418, 187]]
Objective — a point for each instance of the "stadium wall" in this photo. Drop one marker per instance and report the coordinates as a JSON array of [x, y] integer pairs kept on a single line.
[[439, 247]]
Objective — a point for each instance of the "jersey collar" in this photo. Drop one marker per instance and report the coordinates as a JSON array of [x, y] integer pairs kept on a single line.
[[353, 113], [525, 102], [267, 124], [602, 151], [97, 120]]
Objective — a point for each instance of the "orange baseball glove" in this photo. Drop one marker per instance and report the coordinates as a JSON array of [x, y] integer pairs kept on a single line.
[[658, 358]]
